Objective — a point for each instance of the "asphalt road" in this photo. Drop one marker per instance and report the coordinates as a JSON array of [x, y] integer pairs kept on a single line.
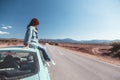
[[68, 65]]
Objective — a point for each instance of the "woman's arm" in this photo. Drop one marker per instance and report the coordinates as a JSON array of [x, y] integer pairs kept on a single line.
[[29, 36]]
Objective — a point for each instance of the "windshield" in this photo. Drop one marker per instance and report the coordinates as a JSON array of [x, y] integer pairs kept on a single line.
[[17, 63]]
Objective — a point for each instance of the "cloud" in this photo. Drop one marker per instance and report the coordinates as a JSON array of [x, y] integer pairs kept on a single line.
[[6, 27], [9, 26], [2, 32]]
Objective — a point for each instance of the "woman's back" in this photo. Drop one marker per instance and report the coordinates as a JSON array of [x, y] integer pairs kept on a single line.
[[31, 35]]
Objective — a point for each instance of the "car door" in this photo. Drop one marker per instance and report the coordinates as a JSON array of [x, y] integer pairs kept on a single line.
[[44, 73]]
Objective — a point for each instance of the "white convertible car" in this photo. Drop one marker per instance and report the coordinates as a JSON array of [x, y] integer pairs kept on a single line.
[[23, 64]]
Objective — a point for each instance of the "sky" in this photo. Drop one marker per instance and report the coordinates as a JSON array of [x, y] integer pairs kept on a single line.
[[59, 19]]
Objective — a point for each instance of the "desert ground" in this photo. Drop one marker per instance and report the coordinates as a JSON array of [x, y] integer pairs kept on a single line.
[[96, 51]]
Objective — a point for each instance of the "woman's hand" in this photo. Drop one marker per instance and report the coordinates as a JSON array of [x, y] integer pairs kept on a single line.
[[27, 46]]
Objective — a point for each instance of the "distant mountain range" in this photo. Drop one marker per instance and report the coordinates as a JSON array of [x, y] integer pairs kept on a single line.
[[68, 40]]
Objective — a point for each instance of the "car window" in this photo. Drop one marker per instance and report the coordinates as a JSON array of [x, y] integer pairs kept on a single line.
[[17, 63]]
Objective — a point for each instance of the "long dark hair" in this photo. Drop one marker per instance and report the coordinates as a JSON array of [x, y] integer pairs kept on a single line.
[[33, 22]]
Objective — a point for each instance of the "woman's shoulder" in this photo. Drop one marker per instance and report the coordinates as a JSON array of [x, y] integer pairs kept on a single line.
[[31, 27]]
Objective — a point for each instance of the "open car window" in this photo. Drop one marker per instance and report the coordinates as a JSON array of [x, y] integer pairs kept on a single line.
[[17, 64]]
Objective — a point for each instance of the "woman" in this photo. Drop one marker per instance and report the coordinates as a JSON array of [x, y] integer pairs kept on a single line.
[[31, 37]]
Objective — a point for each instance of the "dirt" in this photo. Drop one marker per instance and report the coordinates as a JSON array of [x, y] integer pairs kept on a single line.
[[10, 44], [89, 50], [95, 51]]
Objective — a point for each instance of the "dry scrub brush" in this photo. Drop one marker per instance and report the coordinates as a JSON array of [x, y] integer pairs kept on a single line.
[[115, 50]]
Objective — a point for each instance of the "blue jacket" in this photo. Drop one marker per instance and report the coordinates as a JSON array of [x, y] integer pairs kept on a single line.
[[31, 36]]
